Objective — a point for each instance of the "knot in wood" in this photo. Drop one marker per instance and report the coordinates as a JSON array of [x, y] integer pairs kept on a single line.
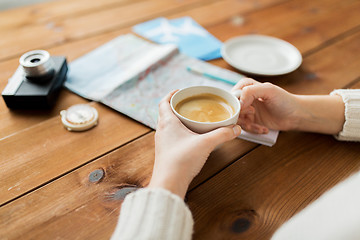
[[123, 191], [240, 225], [241, 221], [310, 76], [96, 175]]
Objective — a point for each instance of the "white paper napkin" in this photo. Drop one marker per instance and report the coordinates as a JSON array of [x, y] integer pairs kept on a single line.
[[268, 139]]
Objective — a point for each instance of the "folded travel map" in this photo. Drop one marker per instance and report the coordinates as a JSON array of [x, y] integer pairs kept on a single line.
[[132, 75]]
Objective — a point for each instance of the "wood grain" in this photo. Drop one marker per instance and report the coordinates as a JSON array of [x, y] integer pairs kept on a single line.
[[91, 207], [252, 197], [210, 14], [49, 11], [104, 20], [85, 25], [99, 21], [304, 24], [87, 210], [355, 85], [245, 191], [38, 154], [332, 67], [13, 121], [219, 159]]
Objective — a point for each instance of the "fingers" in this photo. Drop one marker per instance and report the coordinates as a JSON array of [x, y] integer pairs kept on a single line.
[[164, 105], [256, 128], [244, 82], [254, 92], [165, 112], [221, 135], [247, 123], [248, 110]]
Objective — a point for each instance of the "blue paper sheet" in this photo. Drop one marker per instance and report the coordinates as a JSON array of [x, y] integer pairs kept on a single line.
[[191, 38]]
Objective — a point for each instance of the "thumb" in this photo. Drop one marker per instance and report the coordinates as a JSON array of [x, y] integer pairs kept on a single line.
[[221, 135]]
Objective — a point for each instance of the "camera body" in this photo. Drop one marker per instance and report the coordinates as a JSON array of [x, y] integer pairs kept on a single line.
[[36, 82]]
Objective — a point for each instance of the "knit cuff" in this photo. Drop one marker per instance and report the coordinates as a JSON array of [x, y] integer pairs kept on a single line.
[[351, 128], [154, 213]]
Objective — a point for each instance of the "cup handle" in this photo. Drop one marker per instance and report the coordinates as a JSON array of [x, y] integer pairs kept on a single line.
[[236, 93]]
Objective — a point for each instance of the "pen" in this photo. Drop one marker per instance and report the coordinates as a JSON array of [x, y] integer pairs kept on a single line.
[[208, 75]]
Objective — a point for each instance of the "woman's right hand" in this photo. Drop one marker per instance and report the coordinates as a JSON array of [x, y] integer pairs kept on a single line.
[[265, 106]]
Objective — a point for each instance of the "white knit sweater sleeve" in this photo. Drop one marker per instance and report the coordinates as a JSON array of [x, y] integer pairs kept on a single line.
[[351, 128], [154, 213]]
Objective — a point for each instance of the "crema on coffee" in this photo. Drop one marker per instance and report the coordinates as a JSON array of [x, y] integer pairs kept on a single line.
[[205, 108]]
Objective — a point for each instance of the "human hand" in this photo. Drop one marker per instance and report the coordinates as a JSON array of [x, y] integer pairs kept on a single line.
[[180, 153], [265, 106]]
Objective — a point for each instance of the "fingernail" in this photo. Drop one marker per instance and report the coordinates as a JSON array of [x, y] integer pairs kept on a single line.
[[237, 130]]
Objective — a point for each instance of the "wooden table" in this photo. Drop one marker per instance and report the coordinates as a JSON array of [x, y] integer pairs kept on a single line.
[[245, 191]]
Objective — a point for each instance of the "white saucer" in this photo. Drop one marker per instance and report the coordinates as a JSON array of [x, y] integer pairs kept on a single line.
[[261, 55]]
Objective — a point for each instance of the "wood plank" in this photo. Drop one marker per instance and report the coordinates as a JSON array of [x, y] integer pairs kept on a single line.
[[304, 24], [47, 12], [219, 11], [125, 16], [70, 28], [252, 197], [39, 154], [221, 158], [58, 10], [55, 33], [356, 85], [73, 199], [86, 25], [330, 68], [13, 121], [72, 205]]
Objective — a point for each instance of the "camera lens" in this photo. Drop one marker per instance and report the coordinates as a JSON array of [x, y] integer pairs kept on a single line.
[[35, 60], [37, 65]]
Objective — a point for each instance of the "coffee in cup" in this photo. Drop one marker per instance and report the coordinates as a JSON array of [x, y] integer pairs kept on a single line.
[[204, 108]]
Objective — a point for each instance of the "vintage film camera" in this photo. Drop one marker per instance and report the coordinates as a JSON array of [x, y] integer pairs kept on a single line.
[[36, 82]]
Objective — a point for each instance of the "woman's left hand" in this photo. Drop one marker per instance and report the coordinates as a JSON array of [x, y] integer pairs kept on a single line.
[[180, 153]]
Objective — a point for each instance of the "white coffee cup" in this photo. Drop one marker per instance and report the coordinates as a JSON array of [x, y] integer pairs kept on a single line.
[[232, 99]]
